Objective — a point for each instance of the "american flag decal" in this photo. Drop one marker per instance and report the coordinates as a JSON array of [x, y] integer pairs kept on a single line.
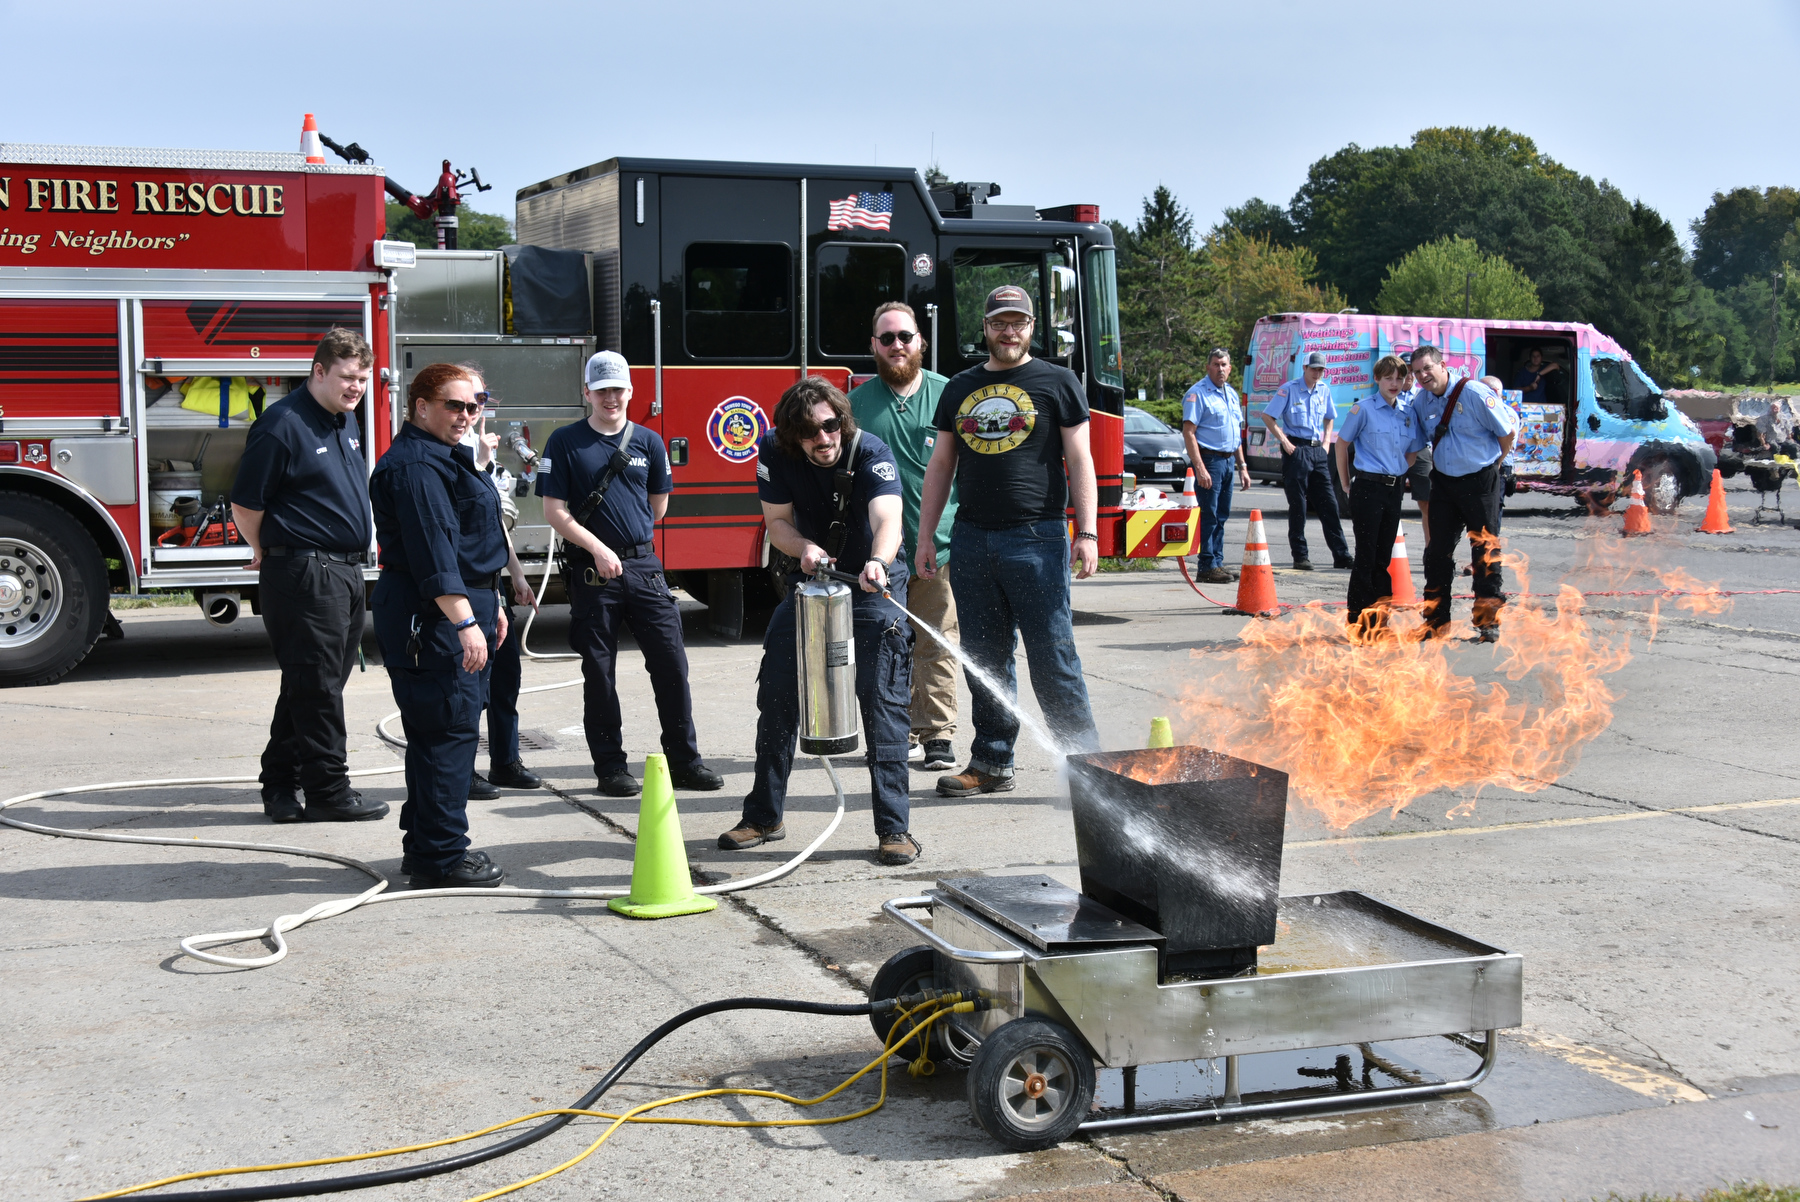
[[864, 210]]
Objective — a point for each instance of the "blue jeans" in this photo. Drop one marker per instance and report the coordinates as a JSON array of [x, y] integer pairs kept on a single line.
[[1007, 582], [1215, 507]]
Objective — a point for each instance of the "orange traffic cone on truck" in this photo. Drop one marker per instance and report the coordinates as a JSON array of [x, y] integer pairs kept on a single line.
[[1256, 584], [1637, 514], [1717, 520], [1400, 570], [310, 146]]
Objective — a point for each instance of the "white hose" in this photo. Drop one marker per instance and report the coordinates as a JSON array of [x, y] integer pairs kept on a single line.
[[274, 932]]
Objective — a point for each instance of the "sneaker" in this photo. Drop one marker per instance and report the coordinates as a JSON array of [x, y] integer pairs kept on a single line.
[[747, 835], [1215, 576], [896, 850], [283, 806], [475, 872], [938, 755], [480, 789], [695, 776], [354, 808], [915, 753], [1487, 634], [1343, 561], [970, 782], [619, 784], [515, 776], [1303, 565]]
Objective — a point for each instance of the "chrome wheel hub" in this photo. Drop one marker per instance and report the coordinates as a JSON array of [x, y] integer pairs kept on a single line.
[[30, 594]]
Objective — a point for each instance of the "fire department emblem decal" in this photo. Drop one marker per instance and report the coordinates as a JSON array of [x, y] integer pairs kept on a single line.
[[922, 264], [735, 427], [995, 419]]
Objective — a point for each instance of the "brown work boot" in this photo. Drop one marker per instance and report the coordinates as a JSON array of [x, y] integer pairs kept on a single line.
[[896, 850], [969, 782], [747, 835]]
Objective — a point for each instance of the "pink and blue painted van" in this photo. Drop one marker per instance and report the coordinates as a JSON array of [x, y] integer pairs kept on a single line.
[[1601, 418]]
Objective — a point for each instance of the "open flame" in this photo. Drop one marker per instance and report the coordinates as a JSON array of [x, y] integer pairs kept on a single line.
[[1361, 727]]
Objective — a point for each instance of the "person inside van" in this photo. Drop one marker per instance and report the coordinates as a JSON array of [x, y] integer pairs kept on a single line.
[[1530, 378]]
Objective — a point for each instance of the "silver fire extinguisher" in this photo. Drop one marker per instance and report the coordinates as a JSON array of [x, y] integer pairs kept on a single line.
[[827, 666]]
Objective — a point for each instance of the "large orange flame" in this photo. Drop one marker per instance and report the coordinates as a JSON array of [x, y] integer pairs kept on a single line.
[[1361, 727]]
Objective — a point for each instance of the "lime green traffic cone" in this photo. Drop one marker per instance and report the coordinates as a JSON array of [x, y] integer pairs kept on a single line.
[[1160, 734], [661, 886]]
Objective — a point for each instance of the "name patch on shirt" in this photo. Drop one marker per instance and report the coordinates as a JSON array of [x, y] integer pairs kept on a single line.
[[320, 451]]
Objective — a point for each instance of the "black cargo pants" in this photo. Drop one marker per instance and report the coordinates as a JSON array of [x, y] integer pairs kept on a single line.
[[313, 609]]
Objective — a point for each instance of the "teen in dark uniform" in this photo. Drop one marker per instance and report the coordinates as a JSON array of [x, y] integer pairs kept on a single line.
[[1386, 444], [301, 501], [796, 477], [437, 618], [614, 575]]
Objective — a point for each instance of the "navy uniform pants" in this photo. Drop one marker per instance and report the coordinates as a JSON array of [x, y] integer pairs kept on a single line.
[[503, 698], [313, 610], [1306, 478], [1375, 517], [884, 641], [639, 598], [1459, 503]]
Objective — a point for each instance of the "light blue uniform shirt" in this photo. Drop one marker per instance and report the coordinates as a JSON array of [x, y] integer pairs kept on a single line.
[[1383, 435], [1301, 411], [1476, 428], [1217, 414]]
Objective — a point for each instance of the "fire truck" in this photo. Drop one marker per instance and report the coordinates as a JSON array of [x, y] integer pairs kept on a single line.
[[153, 301]]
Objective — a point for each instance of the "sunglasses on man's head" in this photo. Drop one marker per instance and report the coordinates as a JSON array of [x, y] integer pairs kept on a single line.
[[472, 408], [905, 336], [830, 425]]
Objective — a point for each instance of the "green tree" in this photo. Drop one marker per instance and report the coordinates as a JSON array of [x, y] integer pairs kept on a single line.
[[1253, 277], [1451, 276], [474, 231], [1741, 234], [1164, 290], [1257, 218]]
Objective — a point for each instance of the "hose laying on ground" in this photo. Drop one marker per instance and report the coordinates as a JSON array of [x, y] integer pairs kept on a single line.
[[193, 945], [900, 1033]]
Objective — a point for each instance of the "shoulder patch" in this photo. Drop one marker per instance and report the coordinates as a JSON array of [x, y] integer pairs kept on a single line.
[[762, 470], [885, 470], [543, 464]]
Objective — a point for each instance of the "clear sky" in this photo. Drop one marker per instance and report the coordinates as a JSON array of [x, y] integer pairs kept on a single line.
[[1059, 102]]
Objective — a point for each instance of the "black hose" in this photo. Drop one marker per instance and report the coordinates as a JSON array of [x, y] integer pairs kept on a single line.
[[450, 1164]]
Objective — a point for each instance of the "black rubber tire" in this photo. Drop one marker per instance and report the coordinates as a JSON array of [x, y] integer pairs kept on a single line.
[[904, 973], [999, 1086], [691, 583], [75, 625], [1662, 486]]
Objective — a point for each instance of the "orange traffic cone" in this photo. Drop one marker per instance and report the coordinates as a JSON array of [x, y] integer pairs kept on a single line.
[[1256, 584], [1717, 520], [310, 146], [1188, 499], [1400, 570], [1637, 516]]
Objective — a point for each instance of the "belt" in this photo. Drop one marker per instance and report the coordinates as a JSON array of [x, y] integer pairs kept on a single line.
[[1206, 452], [1304, 442], [491, 580], [637, 552], [1377, 477], [317, 553]]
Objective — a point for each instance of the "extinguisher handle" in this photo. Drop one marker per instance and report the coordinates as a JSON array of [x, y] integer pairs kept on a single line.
[[834, 574]]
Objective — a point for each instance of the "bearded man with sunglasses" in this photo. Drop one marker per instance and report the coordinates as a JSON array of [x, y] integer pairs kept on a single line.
[[1007, 432], [899, 406]]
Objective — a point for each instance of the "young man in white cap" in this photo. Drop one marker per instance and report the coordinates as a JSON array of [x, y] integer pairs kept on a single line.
[[606, 483], [1299, 415], [1006, 432]]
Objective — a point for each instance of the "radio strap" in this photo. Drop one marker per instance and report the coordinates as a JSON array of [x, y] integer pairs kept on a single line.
[[621, 459], [842, 481], [1443, 426]]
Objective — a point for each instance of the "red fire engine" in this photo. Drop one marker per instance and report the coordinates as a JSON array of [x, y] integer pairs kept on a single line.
[[151, 302]]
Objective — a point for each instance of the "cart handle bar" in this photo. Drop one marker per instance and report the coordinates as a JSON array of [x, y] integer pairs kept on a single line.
[[967, 955]]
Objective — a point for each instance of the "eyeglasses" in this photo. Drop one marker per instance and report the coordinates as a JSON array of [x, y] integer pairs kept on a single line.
[[1008, 327], [905, 336], [485, 398], [830, 425], [472, 408]]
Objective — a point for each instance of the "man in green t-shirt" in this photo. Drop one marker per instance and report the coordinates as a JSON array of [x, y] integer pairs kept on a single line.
[[899, 406]]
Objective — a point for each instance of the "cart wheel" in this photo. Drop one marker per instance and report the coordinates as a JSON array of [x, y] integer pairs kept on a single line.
[[1031, 1084], [906, 972]]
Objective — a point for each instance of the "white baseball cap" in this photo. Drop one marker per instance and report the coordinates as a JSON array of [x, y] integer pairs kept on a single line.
[[608, 369]]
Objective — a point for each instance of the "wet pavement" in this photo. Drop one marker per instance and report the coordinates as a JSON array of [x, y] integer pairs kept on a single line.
[[1650, 889]]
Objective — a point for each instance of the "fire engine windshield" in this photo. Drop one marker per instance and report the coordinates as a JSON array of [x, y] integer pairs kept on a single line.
[[1103, 317]]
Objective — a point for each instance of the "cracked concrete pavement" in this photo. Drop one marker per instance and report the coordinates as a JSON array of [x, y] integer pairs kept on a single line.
[[1650, 890]]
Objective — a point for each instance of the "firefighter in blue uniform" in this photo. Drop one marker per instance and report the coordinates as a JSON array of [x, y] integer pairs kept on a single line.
[[797, 478], [438, 618]]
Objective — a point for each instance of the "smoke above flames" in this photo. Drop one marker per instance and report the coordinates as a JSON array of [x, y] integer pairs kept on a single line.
[[1363, 727]]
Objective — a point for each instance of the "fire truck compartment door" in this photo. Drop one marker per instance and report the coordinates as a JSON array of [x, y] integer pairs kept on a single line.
[[106, 467]]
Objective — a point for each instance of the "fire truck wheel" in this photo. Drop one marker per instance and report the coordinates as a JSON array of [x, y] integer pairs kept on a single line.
[[53, 591], [1031, 1084], [906, 973]]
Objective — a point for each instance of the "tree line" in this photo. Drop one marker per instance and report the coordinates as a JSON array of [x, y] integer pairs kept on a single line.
[[1467, 220]]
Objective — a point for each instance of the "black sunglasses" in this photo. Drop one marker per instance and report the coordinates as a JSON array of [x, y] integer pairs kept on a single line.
[[830, 425], [905, 336], [472, 408]]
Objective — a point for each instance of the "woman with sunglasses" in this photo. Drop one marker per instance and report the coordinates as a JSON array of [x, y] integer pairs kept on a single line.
[[438, 618]]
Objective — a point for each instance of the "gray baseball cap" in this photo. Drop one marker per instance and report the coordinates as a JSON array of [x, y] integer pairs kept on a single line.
[[608, 369], [1315, 359]]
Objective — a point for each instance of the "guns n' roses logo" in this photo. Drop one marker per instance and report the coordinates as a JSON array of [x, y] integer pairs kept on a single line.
[[995, 419], [737, 424]]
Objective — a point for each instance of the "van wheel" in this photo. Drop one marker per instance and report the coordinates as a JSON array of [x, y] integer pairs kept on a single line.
[[53, 591], [1662, 486]]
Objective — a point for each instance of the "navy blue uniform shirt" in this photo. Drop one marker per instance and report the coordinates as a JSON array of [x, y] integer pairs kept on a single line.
[[576, 457], [784, 479], [438, 521], [303, 469]]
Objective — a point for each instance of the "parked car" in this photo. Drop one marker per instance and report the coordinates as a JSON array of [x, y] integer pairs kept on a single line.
[[1154, 453]]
